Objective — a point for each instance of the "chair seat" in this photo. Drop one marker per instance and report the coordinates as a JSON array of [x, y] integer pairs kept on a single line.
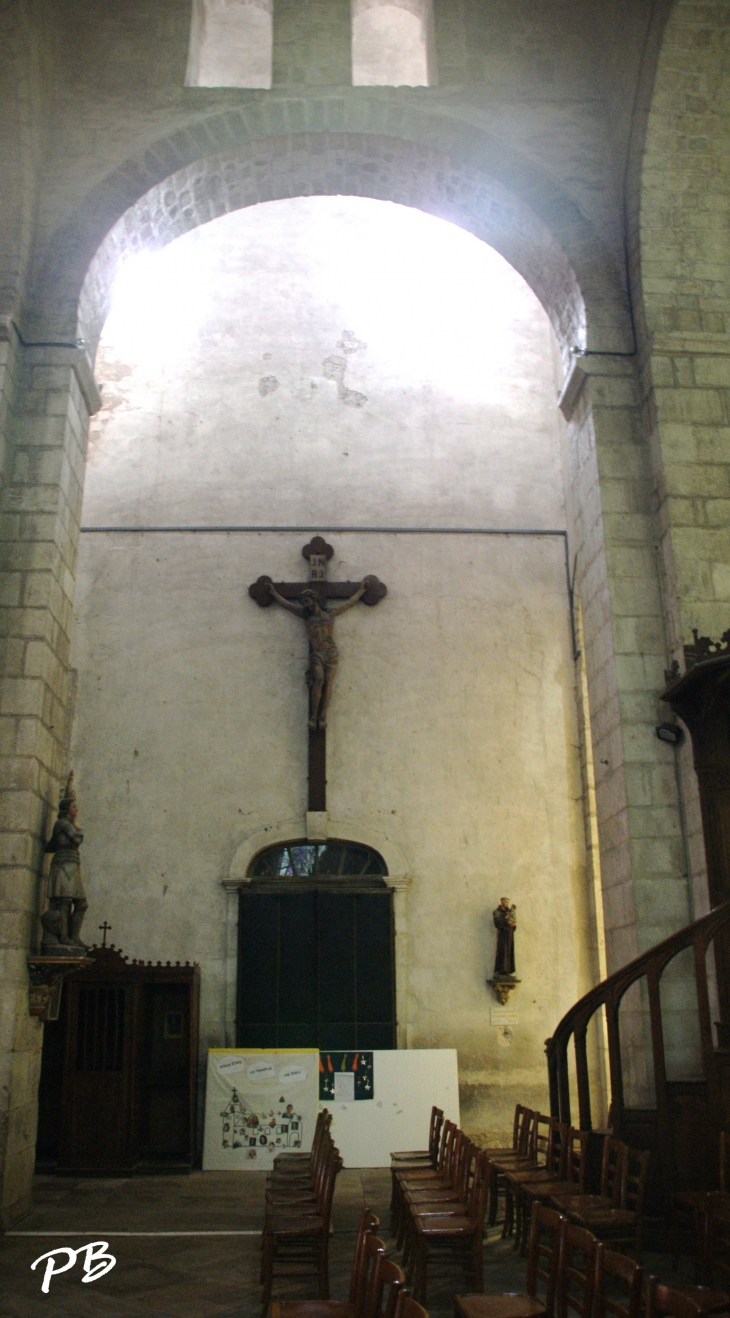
[[413, 1155], [708, 1300], [314, 1309], [295, 1226], [547, 1188], [498, 1306], [446, 1226], [580, 1203], [606, 1219], [526, 1176]]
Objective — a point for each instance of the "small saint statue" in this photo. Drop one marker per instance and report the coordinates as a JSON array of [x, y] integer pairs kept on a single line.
[[505, 922], [323, 653], [67, 902]]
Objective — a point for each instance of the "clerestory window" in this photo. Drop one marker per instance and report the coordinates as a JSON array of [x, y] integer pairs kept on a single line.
[[231, 43], [393, 43]]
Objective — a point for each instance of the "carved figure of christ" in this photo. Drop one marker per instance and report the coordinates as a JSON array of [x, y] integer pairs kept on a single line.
[[323, 653], [309, 602]]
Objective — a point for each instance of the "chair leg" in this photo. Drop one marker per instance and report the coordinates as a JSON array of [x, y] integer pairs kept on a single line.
[[509, 1205], [477, 1263], [421, 1270], [324, 1271], [493, 1195]]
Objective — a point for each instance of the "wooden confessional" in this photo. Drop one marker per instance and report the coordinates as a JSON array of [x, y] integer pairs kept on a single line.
[[118, 1077]]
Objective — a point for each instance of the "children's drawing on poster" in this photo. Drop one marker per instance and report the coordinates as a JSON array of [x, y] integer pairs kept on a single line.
[[345, 1077], [258, 1105]]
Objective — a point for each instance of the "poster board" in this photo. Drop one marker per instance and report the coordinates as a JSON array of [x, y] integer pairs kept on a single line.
[[405, 1083], [258, 1103]]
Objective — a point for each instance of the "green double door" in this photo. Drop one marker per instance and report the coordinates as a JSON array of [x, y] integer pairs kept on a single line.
[[316, 970]]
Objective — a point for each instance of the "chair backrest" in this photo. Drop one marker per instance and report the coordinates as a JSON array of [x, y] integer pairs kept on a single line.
[[612, 1169], [324, 1198], [517, 1124], [373, 1254], [620, 1269], [479, 1188], [434, 1133], [575, 1162], [543, 1252], [388, 1282], [321, 1130], [576, 1282], [715, 1247], [557, 1155], [407, 1307], [542, 1138], [528, 1117], [450, 1132], [636, 1171], [467, 1170], [367, 1226], [665, 1302]]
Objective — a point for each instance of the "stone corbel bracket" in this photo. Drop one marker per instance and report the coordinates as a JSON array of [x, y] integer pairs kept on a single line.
[[46, 975], [503, 987]]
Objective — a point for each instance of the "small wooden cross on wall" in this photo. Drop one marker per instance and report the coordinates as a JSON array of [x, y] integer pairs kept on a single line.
[[308, 601]]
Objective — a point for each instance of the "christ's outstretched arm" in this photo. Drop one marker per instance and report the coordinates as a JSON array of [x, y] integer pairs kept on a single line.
[[296, 609], [342, 608]]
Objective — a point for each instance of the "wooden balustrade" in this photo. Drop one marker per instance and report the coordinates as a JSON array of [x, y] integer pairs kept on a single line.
[[682, 1126]]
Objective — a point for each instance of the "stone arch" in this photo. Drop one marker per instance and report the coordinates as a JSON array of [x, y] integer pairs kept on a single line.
[[274, 149]]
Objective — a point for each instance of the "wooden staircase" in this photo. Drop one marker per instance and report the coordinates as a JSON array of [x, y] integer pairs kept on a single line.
[[674, 1002]]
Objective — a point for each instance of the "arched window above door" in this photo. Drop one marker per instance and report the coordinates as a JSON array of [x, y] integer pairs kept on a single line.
[[393, 43], [300, 859]]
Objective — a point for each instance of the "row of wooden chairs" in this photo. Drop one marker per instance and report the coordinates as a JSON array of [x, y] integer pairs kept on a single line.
[[547, 1164], [438, 1211], [570, 1271], [377, 1285], [299, 1193]]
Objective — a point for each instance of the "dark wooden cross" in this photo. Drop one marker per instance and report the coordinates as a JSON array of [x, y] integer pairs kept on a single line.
[[105, 928], [317, 553]]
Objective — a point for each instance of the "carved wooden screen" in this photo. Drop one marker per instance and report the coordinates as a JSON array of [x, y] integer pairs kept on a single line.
[[315, 963]]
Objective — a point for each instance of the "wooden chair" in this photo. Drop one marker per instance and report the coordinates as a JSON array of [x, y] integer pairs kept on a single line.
[[407, 1307], [429, 1155], [300, 1194], [543, 1258], [294, 1242], [612, 1175], [575, 1287], [533, 1133], [441, 1201], [461, 1235], [689, 1207], [361, 1280], [665, 1302], [554, 1170], [299, 1161], [543, 1191], [387, 1285], [536, 1162], [521, 1130], [617, 1268], [622, 1224], [424, 1176]]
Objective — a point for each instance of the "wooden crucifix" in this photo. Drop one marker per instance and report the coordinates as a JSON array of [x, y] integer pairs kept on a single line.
[[308, 601]]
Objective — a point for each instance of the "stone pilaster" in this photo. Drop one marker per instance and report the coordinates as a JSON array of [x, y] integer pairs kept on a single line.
[[41, 506]]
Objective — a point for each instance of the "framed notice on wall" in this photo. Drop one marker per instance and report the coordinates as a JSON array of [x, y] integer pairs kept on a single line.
[[258, 1104]]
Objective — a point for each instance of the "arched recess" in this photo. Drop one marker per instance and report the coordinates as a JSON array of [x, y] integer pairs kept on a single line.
[[369, 149], [684, 317]]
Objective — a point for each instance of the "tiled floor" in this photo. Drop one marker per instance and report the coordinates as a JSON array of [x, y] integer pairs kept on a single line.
[[193, 1276]]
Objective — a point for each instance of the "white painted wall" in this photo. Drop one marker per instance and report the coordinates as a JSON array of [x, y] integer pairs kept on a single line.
[[453, 729]]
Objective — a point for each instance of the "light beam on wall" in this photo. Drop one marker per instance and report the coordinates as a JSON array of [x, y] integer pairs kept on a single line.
[[433, 303]]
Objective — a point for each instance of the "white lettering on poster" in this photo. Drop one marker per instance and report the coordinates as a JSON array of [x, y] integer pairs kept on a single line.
[[262, 1071], [290, 1074], [229, 1065]]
